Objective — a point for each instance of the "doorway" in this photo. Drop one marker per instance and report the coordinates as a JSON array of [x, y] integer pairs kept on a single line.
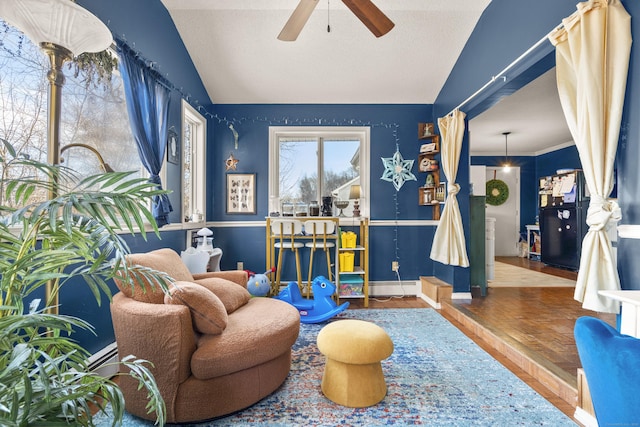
[[507, 215]]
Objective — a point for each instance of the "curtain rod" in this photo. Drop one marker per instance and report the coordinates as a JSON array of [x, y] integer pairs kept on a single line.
[[501, 74]]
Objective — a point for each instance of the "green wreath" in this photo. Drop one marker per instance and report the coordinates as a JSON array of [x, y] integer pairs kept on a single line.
[[497, 192]]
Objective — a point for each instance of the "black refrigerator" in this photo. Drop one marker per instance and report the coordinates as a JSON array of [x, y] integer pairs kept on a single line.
[[563, 201]]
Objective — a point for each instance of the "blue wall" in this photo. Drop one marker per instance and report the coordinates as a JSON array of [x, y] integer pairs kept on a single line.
[[549, 163], [387, 122], [627, 159]]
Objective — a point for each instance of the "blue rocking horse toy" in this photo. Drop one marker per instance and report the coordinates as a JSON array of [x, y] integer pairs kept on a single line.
[[322, 307]]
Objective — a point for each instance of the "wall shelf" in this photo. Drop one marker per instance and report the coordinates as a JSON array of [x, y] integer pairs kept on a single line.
[[430, 194]]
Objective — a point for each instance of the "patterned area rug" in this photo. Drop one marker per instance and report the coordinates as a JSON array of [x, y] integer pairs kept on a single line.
[[436, 376]]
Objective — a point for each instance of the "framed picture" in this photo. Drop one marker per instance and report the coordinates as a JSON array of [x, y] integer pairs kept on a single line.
[[241, 193], [173, 147]]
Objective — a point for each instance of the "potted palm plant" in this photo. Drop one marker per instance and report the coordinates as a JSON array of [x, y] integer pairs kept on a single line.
[[50, 244]]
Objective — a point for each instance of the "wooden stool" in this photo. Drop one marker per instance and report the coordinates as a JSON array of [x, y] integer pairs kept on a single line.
[[320, 232], [286, 231], [352, 374]]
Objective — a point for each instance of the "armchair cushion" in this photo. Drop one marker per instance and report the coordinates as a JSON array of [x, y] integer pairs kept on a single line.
[[232, 295], [165, 260], [208, 314]]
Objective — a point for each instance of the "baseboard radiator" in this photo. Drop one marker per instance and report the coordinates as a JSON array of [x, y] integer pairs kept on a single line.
[[104, 362]]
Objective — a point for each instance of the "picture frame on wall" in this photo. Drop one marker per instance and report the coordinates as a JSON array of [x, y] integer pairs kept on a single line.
[[241, 193], [173, 147]]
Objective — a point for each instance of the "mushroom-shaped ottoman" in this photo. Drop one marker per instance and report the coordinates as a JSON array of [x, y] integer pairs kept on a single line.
[[352, 374]]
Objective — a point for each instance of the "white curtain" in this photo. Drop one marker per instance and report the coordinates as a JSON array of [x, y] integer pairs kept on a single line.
[[592, 59], [448, 243]]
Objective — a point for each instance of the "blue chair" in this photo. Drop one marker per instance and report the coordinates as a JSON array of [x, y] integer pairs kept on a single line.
[[611, 362]]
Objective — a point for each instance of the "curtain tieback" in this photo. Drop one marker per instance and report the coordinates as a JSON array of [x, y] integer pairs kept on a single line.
[[602, 213], [453, 189], [155, 179]]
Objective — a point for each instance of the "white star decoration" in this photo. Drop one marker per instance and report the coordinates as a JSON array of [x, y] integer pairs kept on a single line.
[[397, 170], [231, 162]]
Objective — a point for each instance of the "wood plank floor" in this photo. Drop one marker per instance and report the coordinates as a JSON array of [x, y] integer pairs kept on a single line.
[[537, 323]]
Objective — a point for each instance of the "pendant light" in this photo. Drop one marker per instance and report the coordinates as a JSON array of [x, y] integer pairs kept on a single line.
[[506, 165]]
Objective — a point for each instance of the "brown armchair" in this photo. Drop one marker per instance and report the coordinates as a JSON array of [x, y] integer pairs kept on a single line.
[[215, 349]]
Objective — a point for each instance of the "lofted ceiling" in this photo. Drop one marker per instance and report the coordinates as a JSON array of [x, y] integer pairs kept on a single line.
[[534, 117], [234, 47]]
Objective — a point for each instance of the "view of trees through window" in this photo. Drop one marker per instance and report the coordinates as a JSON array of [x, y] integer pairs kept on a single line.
[[94, 115], [310, 168]]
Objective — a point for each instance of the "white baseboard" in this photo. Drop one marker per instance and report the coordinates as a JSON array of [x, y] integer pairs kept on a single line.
[[585, 418], [393, 288], [461, 296], [431, 302], [104, 362]]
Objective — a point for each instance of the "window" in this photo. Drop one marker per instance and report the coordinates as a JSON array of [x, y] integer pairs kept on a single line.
[[94, 116], [194, 133], [309, 163]]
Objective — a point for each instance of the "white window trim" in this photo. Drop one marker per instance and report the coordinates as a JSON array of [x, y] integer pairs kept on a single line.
[[363, 132], [198, 164]]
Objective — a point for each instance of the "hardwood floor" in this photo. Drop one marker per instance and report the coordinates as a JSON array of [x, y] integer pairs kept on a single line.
[[527, 329]]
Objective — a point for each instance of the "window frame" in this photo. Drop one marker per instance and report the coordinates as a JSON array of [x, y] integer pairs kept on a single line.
[[325, 132], [198, 161]]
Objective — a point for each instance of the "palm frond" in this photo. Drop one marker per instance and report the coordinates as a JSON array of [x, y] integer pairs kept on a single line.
[[44, 376]]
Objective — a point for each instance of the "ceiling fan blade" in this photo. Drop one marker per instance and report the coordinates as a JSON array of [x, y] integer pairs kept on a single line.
[[376, 21], [297, 20]]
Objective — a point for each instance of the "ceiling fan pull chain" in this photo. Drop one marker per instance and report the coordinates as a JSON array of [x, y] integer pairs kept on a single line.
[[328, 16]]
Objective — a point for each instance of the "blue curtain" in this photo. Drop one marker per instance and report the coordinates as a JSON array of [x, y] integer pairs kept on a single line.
[[148, 99]]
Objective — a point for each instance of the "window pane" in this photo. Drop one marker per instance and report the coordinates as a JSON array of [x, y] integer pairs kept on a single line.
[[92, 115], [298, 169], [187, 202], [308, 164], [194, 189], [98, 117], [341, 167]]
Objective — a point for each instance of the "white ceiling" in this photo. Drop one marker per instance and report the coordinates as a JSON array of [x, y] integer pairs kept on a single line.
[[234, 47], [534, 117]]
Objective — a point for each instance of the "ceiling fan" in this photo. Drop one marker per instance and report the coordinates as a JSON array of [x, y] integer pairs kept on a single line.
[[367, 12]]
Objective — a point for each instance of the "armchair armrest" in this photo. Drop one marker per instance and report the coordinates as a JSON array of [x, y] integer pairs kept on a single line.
[[237, 276]]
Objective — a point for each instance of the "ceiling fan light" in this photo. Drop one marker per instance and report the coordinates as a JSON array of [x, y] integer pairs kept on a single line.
[[372, 17]]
